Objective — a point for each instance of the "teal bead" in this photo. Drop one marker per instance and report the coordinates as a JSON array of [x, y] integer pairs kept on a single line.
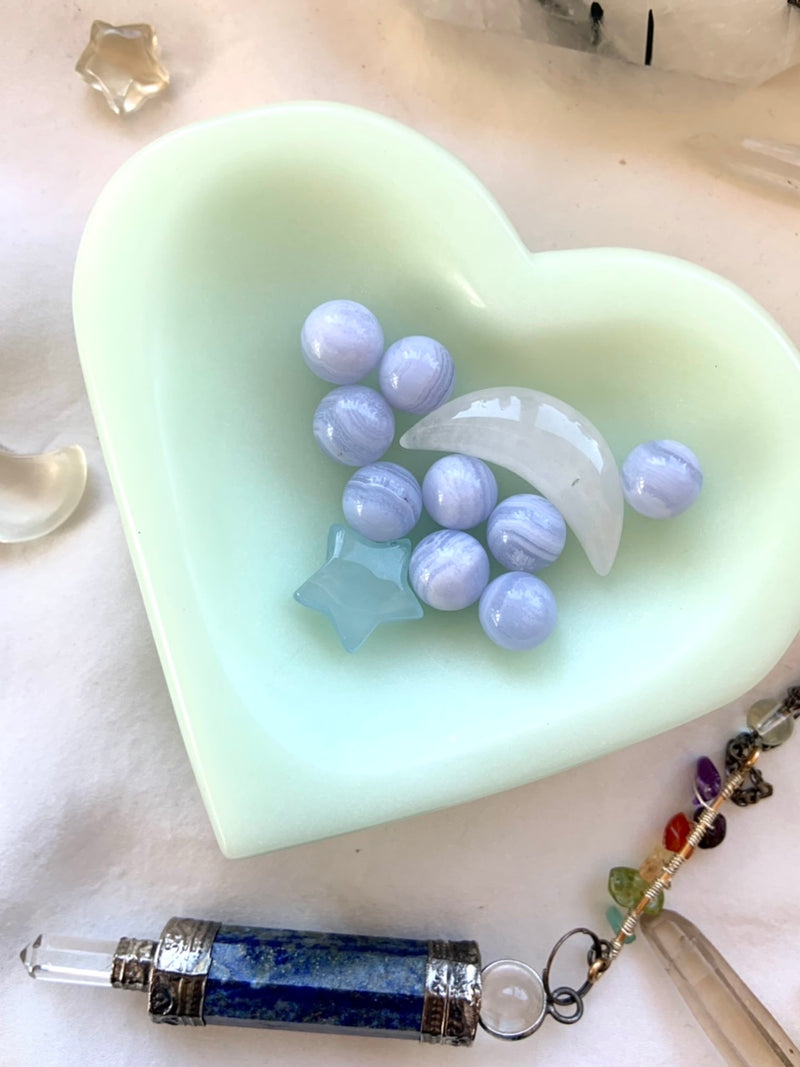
[[627, 887], [615, 918]]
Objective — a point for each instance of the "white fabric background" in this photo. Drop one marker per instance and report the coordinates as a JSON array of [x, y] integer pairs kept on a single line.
[[102, 832]]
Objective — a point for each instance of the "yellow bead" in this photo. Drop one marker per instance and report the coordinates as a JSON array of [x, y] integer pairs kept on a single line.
[[655, 863]]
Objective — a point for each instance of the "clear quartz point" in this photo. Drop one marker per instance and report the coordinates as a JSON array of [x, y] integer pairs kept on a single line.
[[743, 1031], [69, 959], [773, 165]]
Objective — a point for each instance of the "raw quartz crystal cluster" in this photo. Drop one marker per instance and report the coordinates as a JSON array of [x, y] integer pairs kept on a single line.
[[124, 64], [740, 41]]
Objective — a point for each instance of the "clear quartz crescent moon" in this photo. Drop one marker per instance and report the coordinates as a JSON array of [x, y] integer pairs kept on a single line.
[[548, 443], [39, 492]]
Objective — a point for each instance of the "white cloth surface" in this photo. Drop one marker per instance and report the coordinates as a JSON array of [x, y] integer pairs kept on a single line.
[[102, 832]]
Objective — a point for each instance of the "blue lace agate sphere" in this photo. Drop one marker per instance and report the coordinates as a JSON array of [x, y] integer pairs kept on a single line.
[[661, 479], [517, 611], [459, 492], [353, 425], [342, 341], [526, 532], [417, 375], [382, 501], [449, 570]]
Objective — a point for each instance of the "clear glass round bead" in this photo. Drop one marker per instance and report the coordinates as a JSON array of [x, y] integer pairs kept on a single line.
[[771, 721], [513, 1002]]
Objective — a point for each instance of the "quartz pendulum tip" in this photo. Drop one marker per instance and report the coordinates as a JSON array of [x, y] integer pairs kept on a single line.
[[26, 956], [74, 960]]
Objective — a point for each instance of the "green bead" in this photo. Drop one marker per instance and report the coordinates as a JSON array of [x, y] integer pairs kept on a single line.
[[627, 887]]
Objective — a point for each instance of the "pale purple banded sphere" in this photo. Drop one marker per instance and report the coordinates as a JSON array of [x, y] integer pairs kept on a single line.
[[342, 341], [417, 375], [526, 532], [449, 570], [459, 492], [518, 611], [661, 479], [382, 501], [353, 425]]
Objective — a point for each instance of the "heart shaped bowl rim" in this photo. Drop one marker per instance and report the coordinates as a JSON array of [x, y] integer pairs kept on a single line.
[[196, 268]]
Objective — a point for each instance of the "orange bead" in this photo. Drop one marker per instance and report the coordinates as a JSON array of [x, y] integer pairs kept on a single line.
[[676, 831]]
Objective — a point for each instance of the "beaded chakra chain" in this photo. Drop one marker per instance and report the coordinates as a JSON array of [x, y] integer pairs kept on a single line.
[[202, 971], [769, 724]]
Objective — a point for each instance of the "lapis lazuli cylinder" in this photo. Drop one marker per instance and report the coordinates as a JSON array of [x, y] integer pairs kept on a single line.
[[297, 980], [290, 978]]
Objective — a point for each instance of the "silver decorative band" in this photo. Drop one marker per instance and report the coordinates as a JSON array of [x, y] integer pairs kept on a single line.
[[180, 970], [132, 964], [451, 1008]]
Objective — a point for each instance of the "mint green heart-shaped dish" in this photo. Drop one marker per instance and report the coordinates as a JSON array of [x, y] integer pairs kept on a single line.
[[198, 265]]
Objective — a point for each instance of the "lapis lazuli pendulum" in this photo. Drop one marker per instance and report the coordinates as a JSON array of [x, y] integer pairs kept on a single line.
[[202, 972]]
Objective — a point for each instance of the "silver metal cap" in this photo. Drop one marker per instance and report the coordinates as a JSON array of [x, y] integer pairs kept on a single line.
[[132, 963], [180, 971], [452, 1005]]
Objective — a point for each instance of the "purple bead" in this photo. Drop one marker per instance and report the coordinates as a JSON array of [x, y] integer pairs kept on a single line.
[[707, 780], [517, 611], [342, 341], [661, 479], [353, 425], [526, 532], [416, 375], [715, 835], [382, 501], [459, 492], [449, 570]]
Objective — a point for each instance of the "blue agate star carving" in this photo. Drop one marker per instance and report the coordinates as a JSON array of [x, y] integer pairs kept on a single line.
[[361, 585]]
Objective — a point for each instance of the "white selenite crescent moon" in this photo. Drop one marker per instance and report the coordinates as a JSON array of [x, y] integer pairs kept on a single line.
[[546, 442]]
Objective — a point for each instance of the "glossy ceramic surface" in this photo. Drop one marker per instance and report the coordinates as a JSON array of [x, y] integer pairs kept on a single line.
[[198, 266]]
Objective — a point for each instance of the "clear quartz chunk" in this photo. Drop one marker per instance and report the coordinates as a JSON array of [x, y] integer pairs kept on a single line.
[[739, 41], [75, 960], [124, 64], [513, 1001]]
